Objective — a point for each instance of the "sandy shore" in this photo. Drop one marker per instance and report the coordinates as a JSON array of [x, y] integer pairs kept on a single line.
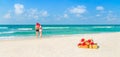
[[63, 46]]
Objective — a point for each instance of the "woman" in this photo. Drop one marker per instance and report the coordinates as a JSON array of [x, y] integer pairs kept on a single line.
[[38, 28]]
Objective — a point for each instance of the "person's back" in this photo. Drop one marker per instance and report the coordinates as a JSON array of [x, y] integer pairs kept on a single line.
[[37, 27]]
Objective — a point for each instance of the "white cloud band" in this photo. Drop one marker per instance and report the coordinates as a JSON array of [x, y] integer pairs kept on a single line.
[[78, 10], [100, 8]]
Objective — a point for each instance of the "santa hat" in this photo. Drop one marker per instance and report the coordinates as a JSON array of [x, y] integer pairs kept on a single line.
[[37, 24]]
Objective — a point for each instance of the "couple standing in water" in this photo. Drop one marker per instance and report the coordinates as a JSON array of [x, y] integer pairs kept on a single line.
[[38, 29]]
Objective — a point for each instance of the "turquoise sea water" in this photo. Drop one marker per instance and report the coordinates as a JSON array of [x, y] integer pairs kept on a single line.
[[13, 31]]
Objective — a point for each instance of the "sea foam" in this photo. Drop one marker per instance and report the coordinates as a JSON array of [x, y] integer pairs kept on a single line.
[[3, 27], [102, 27], [55, 27], [24, 28], [8, 32]]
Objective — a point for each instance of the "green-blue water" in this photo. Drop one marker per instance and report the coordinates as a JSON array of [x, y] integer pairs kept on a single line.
[[13, 31]]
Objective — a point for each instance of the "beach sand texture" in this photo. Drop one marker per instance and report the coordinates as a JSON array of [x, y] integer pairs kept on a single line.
[[62, 46]]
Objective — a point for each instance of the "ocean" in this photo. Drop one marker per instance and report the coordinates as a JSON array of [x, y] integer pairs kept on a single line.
[[27, 31]]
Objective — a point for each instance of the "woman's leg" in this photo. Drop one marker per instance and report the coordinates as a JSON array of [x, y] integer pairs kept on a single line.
[[36, 34], [40, 34]]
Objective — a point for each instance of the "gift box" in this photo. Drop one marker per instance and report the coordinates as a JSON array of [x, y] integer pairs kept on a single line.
[[83, 46], [87, 44], [95, 46], [90, 46]]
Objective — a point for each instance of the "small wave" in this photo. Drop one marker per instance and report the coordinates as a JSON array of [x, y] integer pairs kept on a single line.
[[102, 27], [24, 28], [55, 27], [7, 37], [9, 32], [3, 27]]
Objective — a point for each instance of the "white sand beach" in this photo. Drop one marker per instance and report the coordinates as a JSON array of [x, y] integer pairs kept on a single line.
[[62, 46]]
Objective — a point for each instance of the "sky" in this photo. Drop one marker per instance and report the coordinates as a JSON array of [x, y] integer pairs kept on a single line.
[[60, 11]]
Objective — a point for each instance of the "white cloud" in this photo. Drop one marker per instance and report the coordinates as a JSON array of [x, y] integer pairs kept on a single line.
[[78, 10], [98, 15], [110, 16], [35, 13], [20, 12], [19, 8], [36, 17], [32, 13], [7, 16], [65, 16], [100, 8], [44, 13]]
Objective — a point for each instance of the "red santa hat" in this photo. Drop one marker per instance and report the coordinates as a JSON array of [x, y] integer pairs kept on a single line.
[[37, 24]]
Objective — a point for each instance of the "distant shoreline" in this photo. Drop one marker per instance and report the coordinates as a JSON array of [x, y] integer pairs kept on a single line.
[[69, 24], [50, 36]]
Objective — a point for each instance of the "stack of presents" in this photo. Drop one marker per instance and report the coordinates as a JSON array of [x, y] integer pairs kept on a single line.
[[87, 44]]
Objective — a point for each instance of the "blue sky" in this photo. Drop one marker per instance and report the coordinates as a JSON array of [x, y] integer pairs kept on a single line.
[[60, 11]]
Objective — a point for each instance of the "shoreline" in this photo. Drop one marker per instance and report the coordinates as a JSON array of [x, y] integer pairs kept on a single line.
[[50, 36]]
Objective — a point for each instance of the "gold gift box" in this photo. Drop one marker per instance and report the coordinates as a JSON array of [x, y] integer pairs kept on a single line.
[[95, 46]]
